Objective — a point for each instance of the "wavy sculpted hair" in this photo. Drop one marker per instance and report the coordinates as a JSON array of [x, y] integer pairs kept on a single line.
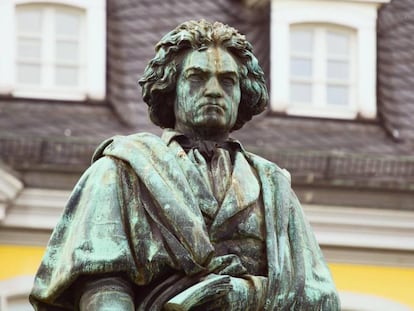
[[160, 76]]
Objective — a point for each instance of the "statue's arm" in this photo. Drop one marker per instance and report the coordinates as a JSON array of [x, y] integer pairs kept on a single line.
[[226, 285], [110, 293], [318, 291]]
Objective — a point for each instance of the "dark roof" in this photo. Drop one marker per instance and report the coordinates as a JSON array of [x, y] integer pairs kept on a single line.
[[343, 153], [396, 68], [47, 135], [134, 27], [63, 135]]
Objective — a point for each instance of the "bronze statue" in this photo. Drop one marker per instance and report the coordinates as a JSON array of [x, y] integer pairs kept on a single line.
[[191, 220]]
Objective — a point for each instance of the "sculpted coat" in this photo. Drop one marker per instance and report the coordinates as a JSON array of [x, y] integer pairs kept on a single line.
[[154, 218]]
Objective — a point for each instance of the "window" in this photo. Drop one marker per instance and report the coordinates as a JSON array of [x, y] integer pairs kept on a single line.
[[324, 58], [53, 50], [322, 61], [49, 54]]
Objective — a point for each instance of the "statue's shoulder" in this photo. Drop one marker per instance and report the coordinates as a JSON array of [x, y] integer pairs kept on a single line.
[[127, 144], [267, 167]]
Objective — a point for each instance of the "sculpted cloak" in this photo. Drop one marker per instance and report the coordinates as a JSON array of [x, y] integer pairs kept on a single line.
[[140, 212]]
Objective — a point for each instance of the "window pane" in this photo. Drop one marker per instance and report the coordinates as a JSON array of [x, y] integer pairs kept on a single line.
[[337, 95], [301, 92], [301, 41], [28, 73], [67, 76], [338, 70], [338, 43], [29, 20], [300, 67], [67, 24], [28, 48], [67, 51]]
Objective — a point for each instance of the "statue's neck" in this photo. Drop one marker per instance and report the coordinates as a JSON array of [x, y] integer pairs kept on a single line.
[[203, 134]]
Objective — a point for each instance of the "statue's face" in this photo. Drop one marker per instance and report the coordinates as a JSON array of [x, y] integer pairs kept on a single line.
[[208, 93]]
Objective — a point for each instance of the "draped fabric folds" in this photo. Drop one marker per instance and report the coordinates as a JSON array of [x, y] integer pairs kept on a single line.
[[139, 211]]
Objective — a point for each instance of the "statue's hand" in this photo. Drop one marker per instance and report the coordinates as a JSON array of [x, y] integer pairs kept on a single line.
[[208, 289], [226, 265], [245, 294], [220, 292]]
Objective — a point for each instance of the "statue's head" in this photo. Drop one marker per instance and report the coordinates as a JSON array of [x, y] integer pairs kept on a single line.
[[196, 56]]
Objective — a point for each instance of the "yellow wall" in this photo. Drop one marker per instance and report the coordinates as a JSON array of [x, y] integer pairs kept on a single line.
[[388, 282], [19, 260]]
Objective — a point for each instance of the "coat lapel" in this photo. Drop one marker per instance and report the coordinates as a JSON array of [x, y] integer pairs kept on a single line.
[[244, 190], [176, 205], [200, 189]]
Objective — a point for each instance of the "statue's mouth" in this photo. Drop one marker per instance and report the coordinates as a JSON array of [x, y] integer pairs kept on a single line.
[[213, 104]]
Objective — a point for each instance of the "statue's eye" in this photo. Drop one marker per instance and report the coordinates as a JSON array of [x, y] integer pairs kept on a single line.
[[228, 81], [195, 77]]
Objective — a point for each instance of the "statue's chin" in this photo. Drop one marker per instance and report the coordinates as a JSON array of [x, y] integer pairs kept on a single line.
[[211, 126], [212, 131]]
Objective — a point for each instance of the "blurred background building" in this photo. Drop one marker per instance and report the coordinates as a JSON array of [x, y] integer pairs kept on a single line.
[[341, 120]]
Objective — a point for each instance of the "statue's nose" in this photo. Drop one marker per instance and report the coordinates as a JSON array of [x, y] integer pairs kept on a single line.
[[213, 88]]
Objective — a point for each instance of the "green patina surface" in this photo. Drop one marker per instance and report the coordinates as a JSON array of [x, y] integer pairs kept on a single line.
[[188, 221]]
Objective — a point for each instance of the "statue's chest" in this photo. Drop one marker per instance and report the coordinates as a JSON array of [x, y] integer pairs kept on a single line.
[[244, 235]]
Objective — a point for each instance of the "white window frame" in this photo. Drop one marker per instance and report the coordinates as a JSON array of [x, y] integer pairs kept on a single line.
[[319, 81], [353, 301], [48, 62], [94, 82], [360, 15], [19, 286]]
